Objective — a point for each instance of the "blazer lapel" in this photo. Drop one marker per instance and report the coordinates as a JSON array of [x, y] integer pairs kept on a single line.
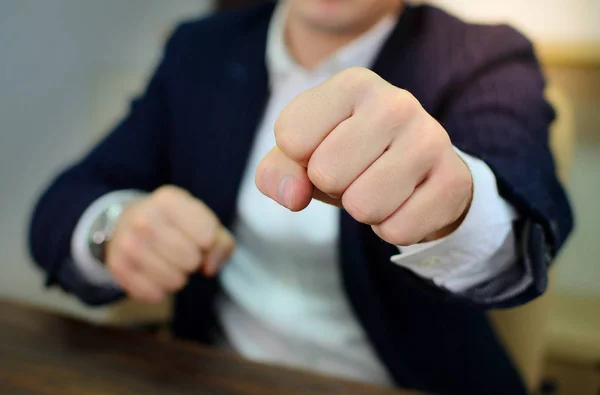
[[239, 104], [238, 108]]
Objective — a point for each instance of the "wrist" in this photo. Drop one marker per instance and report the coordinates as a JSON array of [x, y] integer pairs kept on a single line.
[[102, 230]]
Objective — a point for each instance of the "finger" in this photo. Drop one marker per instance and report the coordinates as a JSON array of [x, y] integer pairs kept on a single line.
[[433, 206], [347, 152], [312, 115], [190, 215], [160, 272], [220, 252], [391, 179], [145, 290], [175, 247], [139, 254], [127, 274], [122, 271], [284, 181]]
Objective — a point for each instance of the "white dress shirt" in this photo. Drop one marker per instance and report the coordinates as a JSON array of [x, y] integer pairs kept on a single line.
[[283, 300]]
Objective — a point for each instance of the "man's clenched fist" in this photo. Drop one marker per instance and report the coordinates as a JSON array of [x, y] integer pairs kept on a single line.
[[159, 241], [358, 142]]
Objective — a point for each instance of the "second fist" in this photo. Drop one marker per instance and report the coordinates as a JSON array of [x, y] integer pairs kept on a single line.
[[159, 241]]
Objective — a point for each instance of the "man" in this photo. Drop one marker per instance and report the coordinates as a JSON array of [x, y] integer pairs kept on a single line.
[[405, 201]]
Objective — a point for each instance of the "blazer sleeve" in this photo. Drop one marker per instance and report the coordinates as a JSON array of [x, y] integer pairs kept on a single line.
[[499, 115], [131, 156]]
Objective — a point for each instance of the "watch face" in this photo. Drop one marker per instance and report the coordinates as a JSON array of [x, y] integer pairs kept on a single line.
[[98, 251], [114, 212], [102, 230]]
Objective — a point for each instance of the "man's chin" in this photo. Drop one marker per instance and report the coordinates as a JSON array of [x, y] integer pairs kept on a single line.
[[325, 15], [338, 23], [330, 26]]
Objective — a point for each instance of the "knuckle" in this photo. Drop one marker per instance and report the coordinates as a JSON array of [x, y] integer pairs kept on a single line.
[[142, 225], [129, 246], [355, 78], [324, 180], [119, 270], [285, 138], [192, 260], [361, 210], [430, 145], [166, 195], [191, 263], [406, 100], [390, 110], [433, 136], [401, 106], [169, 191], [208, 236], [397, 234]]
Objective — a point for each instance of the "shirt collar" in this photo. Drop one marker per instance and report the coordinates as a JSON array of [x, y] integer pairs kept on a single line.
[[360, 52]]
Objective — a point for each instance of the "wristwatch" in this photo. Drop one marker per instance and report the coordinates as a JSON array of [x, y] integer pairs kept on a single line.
[[102, 230]]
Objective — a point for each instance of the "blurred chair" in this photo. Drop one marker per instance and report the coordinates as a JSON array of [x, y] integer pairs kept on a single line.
[[523, 329]]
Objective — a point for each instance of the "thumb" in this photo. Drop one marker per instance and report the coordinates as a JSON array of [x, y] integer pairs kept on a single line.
[[284, 181]]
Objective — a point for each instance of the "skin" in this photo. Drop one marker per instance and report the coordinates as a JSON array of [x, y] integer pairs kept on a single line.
[[317, 28], [162, 239], [359, 143], [354, 141]]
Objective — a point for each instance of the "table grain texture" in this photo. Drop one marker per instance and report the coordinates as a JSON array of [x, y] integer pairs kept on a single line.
[[45, 353]]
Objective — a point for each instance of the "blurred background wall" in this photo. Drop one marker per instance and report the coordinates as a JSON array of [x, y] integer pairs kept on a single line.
[[543, 20]]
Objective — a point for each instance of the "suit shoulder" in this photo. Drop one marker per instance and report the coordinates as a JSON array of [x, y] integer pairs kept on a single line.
[[475, 40], [445, 55]]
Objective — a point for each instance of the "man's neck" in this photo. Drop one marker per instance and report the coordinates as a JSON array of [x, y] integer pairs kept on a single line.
[[310, 45]]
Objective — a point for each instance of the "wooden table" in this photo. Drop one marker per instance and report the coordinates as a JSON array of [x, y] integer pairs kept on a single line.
[[42, 353]]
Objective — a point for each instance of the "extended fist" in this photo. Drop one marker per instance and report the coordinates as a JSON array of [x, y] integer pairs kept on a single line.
[[358, 142], [159, 241]]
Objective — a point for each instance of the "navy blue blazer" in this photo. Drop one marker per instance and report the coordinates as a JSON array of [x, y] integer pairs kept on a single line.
[[194, 126]]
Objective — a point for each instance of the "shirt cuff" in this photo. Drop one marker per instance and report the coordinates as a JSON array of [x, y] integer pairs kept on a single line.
[[87, 266], [483, 245]]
